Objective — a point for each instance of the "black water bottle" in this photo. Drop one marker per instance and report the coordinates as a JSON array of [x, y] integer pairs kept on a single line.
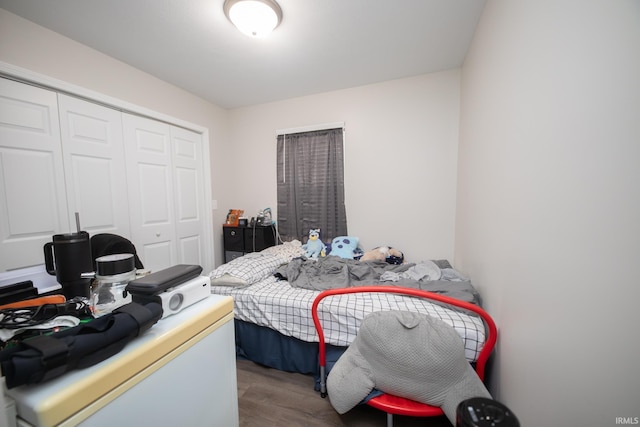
[[482, 412], [68, 257]]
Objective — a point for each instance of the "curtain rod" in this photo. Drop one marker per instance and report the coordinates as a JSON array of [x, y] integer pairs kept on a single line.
[[334, 125]]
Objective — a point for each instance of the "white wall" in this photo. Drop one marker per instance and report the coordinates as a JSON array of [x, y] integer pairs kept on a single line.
[[547, 200], [548, 210], [401, 155], [32, 47], [401, 138]]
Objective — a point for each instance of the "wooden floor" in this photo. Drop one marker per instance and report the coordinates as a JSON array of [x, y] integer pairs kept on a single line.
[[269, 398]]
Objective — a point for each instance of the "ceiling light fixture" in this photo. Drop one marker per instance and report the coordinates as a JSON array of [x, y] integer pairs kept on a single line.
[[255, 18]]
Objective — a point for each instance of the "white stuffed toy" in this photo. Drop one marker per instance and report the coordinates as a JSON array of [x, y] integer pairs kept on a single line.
[[384, 253], [314, 246]]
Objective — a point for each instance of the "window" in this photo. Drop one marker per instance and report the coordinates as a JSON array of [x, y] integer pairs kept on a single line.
[[311, 184]]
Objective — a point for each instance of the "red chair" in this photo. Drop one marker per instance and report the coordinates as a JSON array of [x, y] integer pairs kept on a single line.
[[394, 404]]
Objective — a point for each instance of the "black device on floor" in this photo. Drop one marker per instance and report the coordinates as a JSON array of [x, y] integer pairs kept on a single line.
[[483, 412]]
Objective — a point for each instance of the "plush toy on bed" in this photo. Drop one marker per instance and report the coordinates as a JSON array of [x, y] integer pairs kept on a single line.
[[314, 246], [384, 253], [344, 246]]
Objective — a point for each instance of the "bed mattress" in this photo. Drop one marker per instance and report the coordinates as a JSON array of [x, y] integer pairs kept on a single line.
[[277, 305]]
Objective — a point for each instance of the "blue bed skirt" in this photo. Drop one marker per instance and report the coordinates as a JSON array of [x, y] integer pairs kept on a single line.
[[270, 348]]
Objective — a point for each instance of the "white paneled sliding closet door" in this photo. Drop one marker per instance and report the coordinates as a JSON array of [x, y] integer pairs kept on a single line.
[[93, 152], [33, 204], [136, 176], [151, 199], [188, 184]]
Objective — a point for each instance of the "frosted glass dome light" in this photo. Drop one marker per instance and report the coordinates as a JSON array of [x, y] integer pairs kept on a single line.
[[255, 18]]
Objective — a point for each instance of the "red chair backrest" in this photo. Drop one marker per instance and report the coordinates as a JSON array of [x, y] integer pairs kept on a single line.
[[491, 329]]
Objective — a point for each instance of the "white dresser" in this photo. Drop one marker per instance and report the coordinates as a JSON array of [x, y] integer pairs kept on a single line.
[[181, 372]]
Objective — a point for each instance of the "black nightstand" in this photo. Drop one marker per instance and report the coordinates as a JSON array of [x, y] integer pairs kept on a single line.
[[242, 240]]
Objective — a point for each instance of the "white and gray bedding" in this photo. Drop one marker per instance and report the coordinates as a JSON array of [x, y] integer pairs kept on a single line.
[[334, 272], [266, 300]]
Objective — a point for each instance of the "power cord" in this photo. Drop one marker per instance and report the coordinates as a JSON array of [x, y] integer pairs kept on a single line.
[[15, 318]]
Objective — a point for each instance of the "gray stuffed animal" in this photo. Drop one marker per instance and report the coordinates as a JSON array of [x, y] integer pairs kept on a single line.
[[405, 354]]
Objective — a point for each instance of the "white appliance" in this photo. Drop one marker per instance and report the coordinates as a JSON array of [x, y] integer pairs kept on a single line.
[[182, 371]]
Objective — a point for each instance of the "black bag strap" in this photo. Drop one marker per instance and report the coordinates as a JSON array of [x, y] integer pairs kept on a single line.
[[141, 314], [54, 354]]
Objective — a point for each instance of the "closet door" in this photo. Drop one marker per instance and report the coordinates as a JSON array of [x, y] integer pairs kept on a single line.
[[150, 190], [188, 184], [93, 153], [33, 203]]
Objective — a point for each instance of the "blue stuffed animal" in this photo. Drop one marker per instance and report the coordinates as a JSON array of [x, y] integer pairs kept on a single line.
[[344, 246], [314, 246]]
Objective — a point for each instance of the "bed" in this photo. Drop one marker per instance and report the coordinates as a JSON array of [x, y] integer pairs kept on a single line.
[[274, 290]]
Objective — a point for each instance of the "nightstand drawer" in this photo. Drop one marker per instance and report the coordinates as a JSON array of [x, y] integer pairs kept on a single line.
[[259, 238], [233, 239], [231, 255], [239, 241]]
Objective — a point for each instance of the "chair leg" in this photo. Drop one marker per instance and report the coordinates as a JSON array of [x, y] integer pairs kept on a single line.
[[389, 420]]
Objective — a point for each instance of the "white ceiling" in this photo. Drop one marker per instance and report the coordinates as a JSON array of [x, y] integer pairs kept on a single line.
[[321, 45]]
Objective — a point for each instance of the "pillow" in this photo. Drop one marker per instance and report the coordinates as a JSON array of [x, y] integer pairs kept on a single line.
[[228, 280], [245, 270], [344, 246], [286, 251]]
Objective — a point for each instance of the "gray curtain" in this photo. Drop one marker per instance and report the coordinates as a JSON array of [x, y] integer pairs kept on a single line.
[[311, 185]]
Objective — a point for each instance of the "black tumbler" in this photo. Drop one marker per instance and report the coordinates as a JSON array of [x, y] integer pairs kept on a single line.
[[67, 258], [482, 412]]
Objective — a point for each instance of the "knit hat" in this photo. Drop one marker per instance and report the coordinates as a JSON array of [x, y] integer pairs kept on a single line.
[[405, 354]]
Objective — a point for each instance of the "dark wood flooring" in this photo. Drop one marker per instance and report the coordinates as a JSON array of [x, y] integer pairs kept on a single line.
[[271, 398]]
